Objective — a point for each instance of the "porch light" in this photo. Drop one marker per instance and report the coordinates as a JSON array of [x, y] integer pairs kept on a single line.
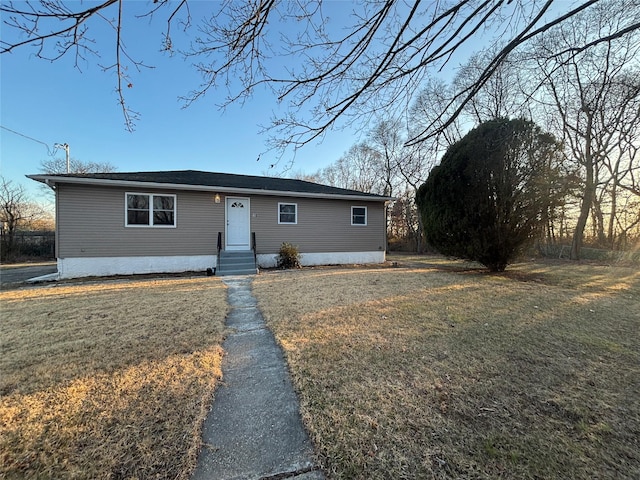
[[217, 198]]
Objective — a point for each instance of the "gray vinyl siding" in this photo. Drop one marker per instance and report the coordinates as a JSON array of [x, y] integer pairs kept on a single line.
[[91, 223], [323, 225]]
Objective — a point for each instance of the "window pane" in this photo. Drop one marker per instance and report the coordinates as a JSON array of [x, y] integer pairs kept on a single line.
[[138, 209], [287, 212], [358, 215], [288, 208], [163, 217], [138, 217], [163, 210], [162, 203], [138, 201], [151, 209]]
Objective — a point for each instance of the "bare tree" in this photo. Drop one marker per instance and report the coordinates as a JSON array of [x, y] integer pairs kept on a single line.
[[325, 67], [427, 111], [628, 222], [360, 168], [387, 137], [16, 209], [307, 177], [59, 166], [582, 91], [405, 225], [419, 158], [502, 94], [622, 163]]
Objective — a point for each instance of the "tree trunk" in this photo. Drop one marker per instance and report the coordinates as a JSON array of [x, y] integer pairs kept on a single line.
[[419, 234], [585, 208], [589, 194], [598, 221], [612, 217]]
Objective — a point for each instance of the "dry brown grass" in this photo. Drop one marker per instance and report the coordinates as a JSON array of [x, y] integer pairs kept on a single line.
[[108, 379], [438, 370]]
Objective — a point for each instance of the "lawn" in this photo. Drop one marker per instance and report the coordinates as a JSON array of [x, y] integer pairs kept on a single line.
[[107, 379], [432, 369], [436, 369]]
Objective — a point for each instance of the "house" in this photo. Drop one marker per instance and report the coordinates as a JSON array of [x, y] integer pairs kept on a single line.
[[175, 221]]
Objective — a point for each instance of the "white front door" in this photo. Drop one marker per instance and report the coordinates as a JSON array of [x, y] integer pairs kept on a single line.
[[238, 224]]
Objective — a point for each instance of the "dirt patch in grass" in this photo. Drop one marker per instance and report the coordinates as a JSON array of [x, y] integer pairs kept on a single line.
[[426, 373], [108, 379]]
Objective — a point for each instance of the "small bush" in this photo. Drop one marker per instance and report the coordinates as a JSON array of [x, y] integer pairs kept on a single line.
[[289, 256]]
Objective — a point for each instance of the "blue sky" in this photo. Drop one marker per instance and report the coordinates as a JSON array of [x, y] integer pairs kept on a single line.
[[53, 102]]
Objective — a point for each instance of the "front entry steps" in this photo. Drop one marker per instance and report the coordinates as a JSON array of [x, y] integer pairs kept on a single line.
[[236, 263]]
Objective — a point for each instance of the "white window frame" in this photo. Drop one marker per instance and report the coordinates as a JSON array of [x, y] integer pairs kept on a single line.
[[150, 224], [279, 213], [366, 216]]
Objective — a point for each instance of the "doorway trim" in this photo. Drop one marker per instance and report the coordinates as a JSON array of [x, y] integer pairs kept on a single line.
[[238, 226]]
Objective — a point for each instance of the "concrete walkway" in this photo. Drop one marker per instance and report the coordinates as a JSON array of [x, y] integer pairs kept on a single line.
[[254, 429]]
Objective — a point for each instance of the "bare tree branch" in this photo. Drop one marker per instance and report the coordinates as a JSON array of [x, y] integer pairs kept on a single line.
[[324, 70], [71, 35]]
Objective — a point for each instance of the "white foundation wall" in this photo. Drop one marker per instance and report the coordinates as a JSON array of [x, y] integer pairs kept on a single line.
[[332, 258], [105, 266]]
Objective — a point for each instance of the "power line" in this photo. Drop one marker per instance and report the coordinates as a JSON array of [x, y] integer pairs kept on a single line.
[[51, 153]]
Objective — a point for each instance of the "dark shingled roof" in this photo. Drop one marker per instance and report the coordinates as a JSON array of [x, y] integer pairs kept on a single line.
[[222, 180]]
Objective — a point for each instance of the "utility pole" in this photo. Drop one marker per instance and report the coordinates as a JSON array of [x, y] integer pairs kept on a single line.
[[66, 149]]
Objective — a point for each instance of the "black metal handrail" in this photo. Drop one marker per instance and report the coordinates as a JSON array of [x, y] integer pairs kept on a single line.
[[253, 247], [219, 248]]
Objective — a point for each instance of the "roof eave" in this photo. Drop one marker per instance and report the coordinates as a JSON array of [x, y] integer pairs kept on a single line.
[[53, 179]]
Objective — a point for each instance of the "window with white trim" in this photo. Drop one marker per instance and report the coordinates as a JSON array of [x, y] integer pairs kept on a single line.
[[150, 210], [359, 216], [288, 213]]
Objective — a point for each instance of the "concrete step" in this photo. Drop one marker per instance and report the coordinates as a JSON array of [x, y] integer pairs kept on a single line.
[[231, 271], [236, 263]]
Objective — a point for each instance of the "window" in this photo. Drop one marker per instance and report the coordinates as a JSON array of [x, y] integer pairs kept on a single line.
[[358, 215], [148, 210], [288, 213]]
